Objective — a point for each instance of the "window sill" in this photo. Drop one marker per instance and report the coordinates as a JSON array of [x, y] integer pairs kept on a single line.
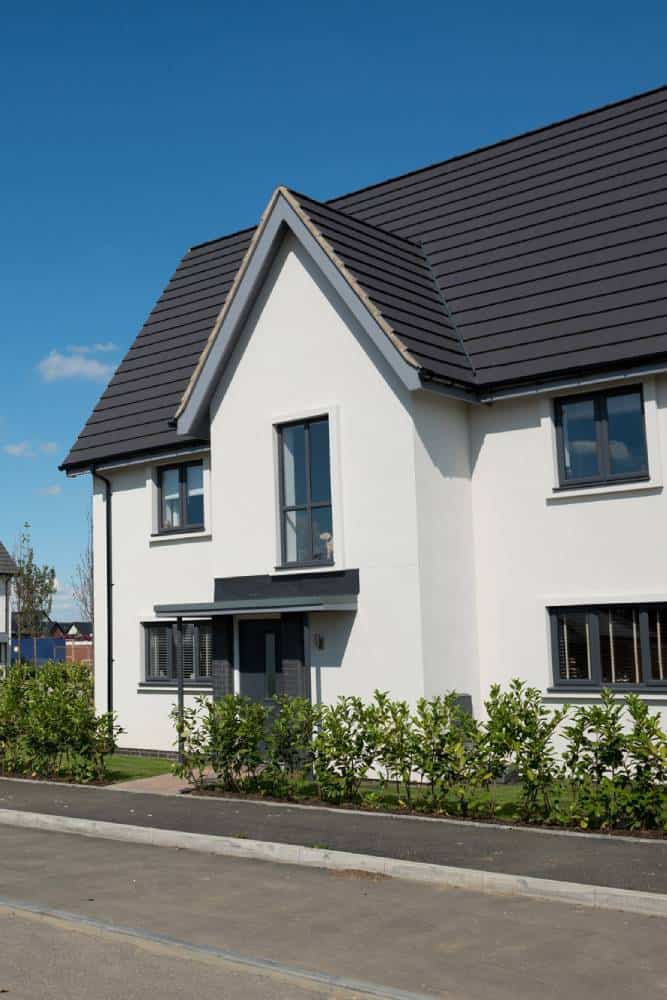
[[164, 537], [300, 567], [171, 687], [561, 494], [652, 691]]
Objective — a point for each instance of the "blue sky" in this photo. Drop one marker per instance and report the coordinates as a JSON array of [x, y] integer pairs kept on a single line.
[[131, 131]]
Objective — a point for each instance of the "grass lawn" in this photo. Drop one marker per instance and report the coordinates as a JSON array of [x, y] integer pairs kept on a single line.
[[124, 767], [506, 798]]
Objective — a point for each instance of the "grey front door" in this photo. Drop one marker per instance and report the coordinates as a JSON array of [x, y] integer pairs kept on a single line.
[[259, 658]]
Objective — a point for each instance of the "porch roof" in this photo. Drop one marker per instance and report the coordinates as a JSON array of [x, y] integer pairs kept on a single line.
[[265, 605], [332, 590]]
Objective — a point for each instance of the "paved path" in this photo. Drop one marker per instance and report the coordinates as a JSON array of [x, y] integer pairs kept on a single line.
[[195, 920], [603, 861]]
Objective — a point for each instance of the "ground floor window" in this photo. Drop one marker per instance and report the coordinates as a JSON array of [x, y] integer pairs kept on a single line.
[[606, 645], [161, 651]]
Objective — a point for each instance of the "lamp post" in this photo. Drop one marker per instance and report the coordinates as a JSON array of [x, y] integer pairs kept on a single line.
[[180, 682]]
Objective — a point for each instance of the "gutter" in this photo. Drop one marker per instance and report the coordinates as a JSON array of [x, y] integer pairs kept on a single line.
[[538, 387], [109, 587]]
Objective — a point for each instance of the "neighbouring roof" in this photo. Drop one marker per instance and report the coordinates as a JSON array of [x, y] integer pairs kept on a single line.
[[80, 628], [540, 256], [7, 565]]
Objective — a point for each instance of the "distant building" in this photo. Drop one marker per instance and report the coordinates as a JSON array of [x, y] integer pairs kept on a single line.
[[8, 569], [69, 641], [78, 638]]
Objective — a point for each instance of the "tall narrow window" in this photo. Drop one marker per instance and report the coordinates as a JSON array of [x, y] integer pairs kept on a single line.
[[619, 645], [574, 653], [601, 437], [306, 521], [181, 489]]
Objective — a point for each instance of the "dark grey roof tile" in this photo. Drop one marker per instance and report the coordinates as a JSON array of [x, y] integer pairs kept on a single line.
[[538, 256]]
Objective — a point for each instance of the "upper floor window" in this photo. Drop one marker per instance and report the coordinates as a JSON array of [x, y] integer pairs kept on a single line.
[[305, 493], [610, 644], [601, 437], [181, 497]]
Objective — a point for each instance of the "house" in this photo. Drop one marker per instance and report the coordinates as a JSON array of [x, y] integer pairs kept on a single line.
[[78, 638], [411, 438], [8, 570]]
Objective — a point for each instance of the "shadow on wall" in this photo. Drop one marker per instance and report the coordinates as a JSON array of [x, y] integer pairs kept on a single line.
[[488, 419], [329, 636]]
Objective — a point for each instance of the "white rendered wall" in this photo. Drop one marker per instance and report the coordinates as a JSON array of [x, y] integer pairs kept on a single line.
[[302, 354], [146, 572], [536, 547], [4, 604], [446, 547]]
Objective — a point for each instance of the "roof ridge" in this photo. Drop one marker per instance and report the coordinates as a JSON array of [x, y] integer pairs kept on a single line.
[[500, 142]]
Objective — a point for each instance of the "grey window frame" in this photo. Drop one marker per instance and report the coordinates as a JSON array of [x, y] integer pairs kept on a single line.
[[595, 682], [599, 400], [309, 506], [185, 526], [196, 679]]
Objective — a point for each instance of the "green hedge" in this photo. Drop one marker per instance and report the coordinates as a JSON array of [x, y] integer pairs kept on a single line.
[[48, 725], [603, 766]]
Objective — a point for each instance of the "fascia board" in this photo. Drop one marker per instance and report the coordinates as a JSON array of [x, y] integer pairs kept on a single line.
[[281, 216]]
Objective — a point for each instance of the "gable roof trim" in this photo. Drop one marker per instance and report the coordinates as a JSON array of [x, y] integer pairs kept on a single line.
[[283, 211]]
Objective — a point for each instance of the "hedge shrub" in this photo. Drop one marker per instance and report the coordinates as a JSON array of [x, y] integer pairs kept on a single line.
[[602, 766], [48, 725]]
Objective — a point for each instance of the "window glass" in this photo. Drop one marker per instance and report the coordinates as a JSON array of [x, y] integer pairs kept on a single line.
[[306, 492], [297, 548], [574, 646], [580, 451], [205, 649], [194, 494], [159, 639], [320, 474], [171, 498], [161, 662], [322, 534], [619, 645], [657, 631], [627, 443], [294, 465], [188, 650]]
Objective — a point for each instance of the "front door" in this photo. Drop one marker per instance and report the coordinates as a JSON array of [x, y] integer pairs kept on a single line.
[[259, 657]]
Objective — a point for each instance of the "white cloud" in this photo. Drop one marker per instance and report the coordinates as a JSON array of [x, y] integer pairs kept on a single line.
[[21, 449], [50, 491], [100, 348], [56, 366], [64, 605], [48, 447]]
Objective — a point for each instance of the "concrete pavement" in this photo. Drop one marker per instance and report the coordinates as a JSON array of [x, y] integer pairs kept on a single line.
[[394, 936]]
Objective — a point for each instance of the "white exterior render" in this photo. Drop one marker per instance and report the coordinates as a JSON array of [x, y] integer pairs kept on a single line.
[[448, 509]]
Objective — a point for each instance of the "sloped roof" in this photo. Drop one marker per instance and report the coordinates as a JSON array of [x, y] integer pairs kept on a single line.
[[535, 257], [7, 565], [82, 628], [396, 276]]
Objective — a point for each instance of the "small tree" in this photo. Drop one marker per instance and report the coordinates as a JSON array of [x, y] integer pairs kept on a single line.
[[82, 581], [34, 587]]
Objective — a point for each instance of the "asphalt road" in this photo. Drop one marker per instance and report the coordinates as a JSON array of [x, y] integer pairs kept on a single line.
[[592, 860], [98, 919]]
